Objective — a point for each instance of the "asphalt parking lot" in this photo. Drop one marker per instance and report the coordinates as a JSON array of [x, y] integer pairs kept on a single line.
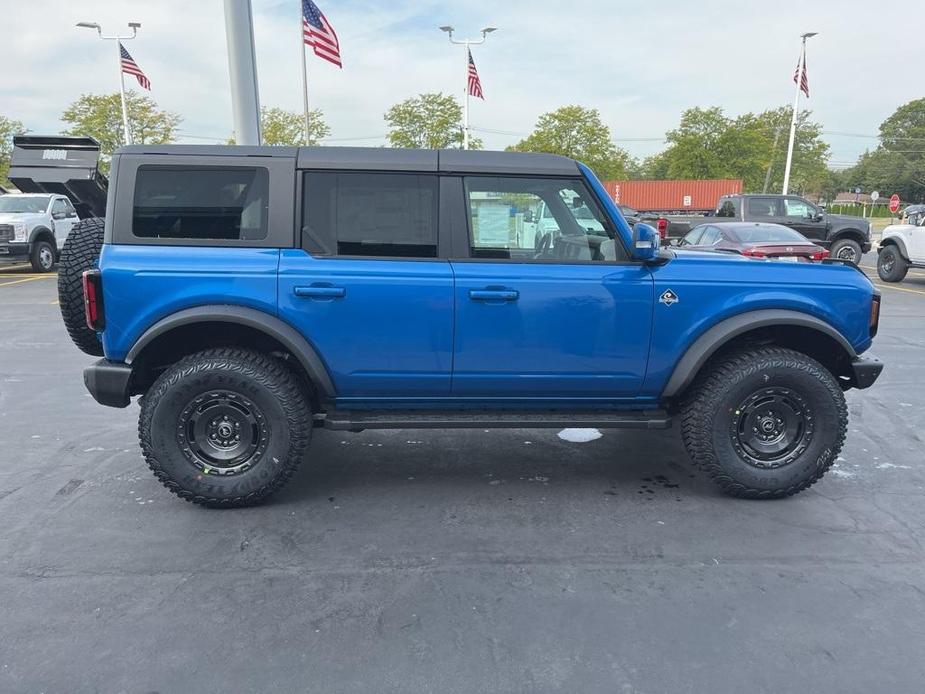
[[423, 561]]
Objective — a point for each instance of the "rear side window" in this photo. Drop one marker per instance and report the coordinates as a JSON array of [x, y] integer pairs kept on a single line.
[[728, 208], [763, 207], [201, 202], [370, 214]]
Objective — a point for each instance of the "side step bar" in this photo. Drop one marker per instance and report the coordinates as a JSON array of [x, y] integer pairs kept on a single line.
[[346, 420]]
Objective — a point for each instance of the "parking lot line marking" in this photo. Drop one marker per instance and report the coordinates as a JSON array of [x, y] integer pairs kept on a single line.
[[898, 289], [18, 266], [26, 279], [55, 303], [912, 269]]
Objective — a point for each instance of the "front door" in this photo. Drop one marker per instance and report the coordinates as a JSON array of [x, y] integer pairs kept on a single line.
[[559, 313], [804, 218], [367, 288], [64, 217]]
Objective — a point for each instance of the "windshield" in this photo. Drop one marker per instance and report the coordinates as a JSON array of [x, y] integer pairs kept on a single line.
[[16, 204], [764, 233]]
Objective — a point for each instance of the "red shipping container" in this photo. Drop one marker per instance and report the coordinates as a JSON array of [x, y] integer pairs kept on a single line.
[[672, 196]]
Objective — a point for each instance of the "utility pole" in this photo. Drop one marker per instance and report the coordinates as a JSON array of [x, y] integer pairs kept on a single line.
[[242, 70], [796, 106], [467, 42], [134, 26]]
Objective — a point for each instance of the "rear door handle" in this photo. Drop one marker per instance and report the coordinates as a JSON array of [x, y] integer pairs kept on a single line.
[[321, 292], [494, 294]]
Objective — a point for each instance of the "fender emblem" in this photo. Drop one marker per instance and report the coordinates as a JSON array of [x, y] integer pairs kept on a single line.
[[668, 298]]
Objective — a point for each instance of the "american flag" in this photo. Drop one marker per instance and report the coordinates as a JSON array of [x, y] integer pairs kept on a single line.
[[130, 67], [319, 34], [475, 84], [802, 78]]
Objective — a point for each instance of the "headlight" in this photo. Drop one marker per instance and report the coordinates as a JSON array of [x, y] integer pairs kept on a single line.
[[19, 232]]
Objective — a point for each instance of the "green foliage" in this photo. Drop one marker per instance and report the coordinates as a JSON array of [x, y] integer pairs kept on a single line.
[[281, 127], [709, 144], [579, 133], [100, 117], [898, 163], [428, 121], [8, 129]]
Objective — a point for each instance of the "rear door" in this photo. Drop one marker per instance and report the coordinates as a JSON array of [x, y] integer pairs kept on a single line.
[[367, 287], [563, 315]]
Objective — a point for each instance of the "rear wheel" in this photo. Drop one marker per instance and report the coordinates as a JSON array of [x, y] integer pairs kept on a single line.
[[225, 427], [42, 256], [891, 266], [81, 252], [846, 249], [765, 422]]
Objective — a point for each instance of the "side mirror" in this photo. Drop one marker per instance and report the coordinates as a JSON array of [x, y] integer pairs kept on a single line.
[[645, 242], [58, 215], [528, 216]]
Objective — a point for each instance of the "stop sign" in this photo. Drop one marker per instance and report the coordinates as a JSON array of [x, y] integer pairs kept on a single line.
[[894, 202]]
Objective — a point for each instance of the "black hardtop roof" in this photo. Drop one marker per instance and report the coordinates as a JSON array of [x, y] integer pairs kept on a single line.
[[382, 158], [760, 195]]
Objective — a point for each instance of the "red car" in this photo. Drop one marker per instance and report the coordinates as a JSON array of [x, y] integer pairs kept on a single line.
[[756, 240]]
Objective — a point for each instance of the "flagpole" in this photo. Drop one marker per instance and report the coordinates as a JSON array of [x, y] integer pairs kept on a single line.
[[128, 131], [793, 118], [304, 73], [466, 97]]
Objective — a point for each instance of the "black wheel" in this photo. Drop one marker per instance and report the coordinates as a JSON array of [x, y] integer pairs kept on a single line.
[[42, 256], [765, 422], [891, 266], [846, 249], [225, 427], [81, 252]]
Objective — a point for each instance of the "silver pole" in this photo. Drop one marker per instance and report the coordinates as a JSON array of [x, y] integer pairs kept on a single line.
[[125, 126], [304, 74], [242, 70], [793, 118], [466, 98]]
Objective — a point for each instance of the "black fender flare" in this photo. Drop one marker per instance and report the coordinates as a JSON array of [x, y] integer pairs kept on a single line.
[[898, 242], [849, 233], [715, 337], [270, 325], [42, 230]]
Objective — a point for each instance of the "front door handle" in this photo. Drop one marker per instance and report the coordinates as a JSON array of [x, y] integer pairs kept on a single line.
[[494, 294], [316, 291]]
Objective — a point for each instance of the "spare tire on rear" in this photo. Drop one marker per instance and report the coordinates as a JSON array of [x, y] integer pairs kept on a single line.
[[81, 252]]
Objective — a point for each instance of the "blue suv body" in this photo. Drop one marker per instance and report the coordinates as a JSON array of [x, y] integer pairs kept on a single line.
[[252, 294]]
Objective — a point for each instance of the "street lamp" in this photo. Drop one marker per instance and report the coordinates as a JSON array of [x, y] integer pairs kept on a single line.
[[134, 26], [800, 76], [466, 42]]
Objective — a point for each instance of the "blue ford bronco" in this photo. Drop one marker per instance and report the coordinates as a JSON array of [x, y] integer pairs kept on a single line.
[[251, 294]]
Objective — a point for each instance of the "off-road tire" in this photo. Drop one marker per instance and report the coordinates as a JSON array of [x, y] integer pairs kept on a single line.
[[842, 248], [261, 382], [709, 417], [42, 256], [81, 252], [891, 266]]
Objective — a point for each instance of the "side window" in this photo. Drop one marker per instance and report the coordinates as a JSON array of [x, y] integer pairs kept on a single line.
[[728, 208], [759, 208], [711, 236], [537, 219], [797, 209], [210, 203], [693, 236], [370, 214], [59, 209], [69, 209]]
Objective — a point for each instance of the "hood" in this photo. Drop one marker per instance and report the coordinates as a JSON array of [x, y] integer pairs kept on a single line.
[[848, 220], [26, 217]]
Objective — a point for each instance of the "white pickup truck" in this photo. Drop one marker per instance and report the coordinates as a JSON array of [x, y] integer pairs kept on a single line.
[[33, 227], [902, 245]]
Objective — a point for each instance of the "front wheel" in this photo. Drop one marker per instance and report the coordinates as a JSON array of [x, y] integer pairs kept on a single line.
[[891, 266], [225, 427], [846, 249], [42, 257], [765, 422]]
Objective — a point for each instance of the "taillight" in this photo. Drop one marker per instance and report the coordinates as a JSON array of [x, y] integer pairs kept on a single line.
[[754, 253], [93, 299], [874, 314], [821, 255], [661, 226]]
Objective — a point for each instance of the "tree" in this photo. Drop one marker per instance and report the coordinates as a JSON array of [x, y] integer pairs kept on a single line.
[[100, 117], [8, 129], [428, 121], [281, 127], [578, 133]]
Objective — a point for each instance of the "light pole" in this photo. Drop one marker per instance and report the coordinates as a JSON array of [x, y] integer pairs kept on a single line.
[[467, 42], [796, 104], [134, 26]]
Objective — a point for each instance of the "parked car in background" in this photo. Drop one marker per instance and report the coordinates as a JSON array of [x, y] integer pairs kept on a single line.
[[847, 238], [902, 246], [771, 241], [34, 227]]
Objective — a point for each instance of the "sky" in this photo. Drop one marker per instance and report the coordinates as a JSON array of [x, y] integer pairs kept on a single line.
[[639, 63]]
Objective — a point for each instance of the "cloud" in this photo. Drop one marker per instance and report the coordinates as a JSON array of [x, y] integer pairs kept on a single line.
[[640, 64]]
